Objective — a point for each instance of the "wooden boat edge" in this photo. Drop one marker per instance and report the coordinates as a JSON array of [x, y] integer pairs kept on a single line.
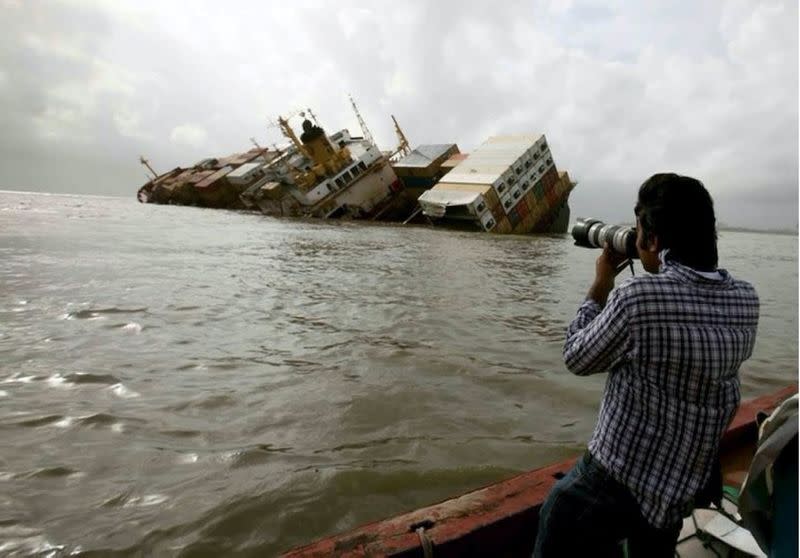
[[509, 508]]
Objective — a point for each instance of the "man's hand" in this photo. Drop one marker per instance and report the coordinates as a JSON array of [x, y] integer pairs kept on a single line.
[[608, 265]]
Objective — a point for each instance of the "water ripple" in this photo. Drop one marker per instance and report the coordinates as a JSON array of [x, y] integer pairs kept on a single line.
[[224, 383], [91, 313]]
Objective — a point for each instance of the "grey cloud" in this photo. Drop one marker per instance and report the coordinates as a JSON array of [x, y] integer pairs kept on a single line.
[[622, 91]]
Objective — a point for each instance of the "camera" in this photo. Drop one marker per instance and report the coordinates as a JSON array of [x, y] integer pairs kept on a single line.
[[593, 233]]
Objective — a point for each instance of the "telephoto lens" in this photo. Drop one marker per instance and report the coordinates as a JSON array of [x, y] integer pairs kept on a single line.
[[593, 233]]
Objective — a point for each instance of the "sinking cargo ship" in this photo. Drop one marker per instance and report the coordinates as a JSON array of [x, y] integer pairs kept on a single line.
[[509, 184]]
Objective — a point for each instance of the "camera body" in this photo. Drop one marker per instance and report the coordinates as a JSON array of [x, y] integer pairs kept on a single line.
[[593, 233]]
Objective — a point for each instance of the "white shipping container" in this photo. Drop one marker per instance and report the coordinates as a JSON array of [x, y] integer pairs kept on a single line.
[[478, 206], [500, 187], [494, 161], [508, 202], [246, 173], [544, 162], [487, 221]]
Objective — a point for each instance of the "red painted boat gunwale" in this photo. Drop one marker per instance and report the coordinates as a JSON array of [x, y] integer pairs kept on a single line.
[[501, 519]]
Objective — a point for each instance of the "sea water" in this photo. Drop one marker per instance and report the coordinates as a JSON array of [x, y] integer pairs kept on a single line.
[[177, 380]]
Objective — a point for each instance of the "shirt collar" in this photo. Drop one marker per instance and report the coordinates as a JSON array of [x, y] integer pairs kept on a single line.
[[719, 278]]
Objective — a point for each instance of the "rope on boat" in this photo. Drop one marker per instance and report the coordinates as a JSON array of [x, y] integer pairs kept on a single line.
[[427, 545]]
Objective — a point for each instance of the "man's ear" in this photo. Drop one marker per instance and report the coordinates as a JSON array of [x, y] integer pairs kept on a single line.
[[653, 244]]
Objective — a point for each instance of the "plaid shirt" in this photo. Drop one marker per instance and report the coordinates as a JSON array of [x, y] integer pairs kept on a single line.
[[672, 344]]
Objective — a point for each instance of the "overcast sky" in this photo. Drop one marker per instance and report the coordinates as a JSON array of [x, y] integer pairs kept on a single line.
[[622, 89]]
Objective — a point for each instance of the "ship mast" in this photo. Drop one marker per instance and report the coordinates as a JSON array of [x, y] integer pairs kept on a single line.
[[146, 163], [364, 129], [403, 147]]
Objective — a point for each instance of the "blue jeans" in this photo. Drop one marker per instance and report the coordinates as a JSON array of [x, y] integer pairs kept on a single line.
[[589, 513]]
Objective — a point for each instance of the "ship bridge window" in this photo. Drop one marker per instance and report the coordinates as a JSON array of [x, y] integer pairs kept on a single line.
[[535, 156], [549, 160], [362, 166], [527, 164], [544, 146]]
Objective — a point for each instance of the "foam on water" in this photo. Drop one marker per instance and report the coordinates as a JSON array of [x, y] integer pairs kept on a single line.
[[188, 458], [65, 422], [123, 392], [132, 327], [59, 381], [146, 500], [19, 379], [19, 541]]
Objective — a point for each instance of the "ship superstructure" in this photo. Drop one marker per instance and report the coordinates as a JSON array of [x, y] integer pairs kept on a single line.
[[316, 175], [325, 176]]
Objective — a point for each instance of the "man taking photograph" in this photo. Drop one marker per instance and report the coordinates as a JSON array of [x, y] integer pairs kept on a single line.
[[672, 343]]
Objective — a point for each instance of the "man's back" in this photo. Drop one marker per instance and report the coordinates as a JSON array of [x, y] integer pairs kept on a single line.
[[672, 344]]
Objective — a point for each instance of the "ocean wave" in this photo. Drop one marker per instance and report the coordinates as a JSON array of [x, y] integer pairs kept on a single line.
[[100, 313], [79, 378], [123, 392]]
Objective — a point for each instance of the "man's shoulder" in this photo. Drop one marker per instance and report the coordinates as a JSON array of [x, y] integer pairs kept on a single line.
[[646, 283], [669, 284], [639, 289], [742, 285]]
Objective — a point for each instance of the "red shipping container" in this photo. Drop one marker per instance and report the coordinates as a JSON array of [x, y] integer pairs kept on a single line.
[[552, 173], [552, 198], [522, 209], [548, 184]]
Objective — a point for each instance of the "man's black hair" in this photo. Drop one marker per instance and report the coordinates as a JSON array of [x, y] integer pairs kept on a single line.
[[680, 212]]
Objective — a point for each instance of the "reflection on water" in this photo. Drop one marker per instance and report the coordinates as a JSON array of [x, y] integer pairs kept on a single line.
[[186, 380]]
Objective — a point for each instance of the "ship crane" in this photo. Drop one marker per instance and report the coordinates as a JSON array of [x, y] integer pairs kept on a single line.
[[282, 122], [361, 123], [403, 148], [290, 135], [146, 163]]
